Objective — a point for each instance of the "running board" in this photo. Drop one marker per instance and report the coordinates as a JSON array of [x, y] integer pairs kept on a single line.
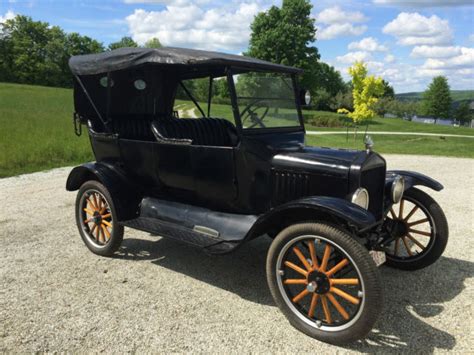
[[215, 231]]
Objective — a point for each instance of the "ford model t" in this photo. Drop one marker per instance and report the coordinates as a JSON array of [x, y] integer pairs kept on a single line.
[[209, 149]]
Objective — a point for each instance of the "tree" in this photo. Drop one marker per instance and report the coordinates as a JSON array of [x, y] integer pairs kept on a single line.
[[283, 35], [366, 90], [124, 42], [34, 52], [463, 113], [388, 91], [153, 43], [437, 98], [328, 79]]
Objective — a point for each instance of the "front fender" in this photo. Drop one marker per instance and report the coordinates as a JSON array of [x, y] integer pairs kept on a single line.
[[125, 195], [413, 178], [317, 208]]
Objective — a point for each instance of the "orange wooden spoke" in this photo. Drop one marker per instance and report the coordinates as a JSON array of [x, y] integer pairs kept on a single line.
[[400, 212], [327, 313], [312, 306], [338, 267], [108, 224], [97, 234], [392, 212], [91, 203], [414, 209], [300, 296], [428, 234], [96, 203], [324, 262], [93, 228], [295, 282], [344, 281], [338, 306], [420, 221], [406, 246], [414, 240], [88, 211], [106, 215], [105, 232], [296, 268], [397, 245], [344, 295], [88, 220], [300, 256], [312, 252]]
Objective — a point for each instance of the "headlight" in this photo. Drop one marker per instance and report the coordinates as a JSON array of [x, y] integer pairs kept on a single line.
[[398, 186], [361, 198]]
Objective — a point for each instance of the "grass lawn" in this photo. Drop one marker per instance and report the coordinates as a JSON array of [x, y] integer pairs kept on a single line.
[[36, 130], [37, 133]]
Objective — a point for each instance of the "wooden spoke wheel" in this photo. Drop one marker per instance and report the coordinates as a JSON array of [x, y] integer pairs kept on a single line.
[[325, 282], [420, 230], [96, 219]]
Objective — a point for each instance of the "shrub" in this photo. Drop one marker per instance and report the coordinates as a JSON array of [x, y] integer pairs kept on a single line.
[[325, 119]]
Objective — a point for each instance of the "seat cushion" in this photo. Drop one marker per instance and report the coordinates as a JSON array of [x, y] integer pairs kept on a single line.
[[202, 131], [133, 127]]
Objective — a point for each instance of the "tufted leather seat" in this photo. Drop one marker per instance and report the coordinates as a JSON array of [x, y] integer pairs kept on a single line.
[[133, 127], [201, 131]]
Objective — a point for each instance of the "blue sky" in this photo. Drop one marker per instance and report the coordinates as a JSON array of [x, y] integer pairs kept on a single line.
[[405, 41]]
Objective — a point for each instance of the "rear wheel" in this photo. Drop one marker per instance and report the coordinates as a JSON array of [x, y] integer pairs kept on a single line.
[[324, 282], [96, 219], [421, 229]]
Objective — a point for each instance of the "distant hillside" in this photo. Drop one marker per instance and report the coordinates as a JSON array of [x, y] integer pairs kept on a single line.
[[457, 95]]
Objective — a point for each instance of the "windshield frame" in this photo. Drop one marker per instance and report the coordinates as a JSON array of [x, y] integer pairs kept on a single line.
[[236, 110]]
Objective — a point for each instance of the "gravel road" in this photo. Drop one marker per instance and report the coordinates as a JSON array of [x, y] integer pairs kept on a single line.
[[159, 295]]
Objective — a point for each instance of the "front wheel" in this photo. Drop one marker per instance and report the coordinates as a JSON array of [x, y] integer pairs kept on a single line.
[[96, 219], [324, 282], [421, 231]]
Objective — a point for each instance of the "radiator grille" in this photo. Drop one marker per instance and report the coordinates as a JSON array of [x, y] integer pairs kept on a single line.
[[373, 180]]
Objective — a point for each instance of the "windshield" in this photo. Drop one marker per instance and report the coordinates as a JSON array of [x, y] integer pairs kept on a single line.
[[266, 100]]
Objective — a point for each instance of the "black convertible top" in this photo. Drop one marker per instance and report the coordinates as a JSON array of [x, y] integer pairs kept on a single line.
[[124, 58]]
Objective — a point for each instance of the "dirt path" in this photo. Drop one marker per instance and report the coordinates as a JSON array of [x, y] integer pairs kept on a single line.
[[161, 296]]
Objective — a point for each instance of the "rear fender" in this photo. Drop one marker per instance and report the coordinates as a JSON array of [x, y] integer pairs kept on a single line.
[[413, 179], [125, 195], [320, 208]]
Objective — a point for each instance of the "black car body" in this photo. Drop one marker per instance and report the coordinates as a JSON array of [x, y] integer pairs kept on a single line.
[[212, 182]]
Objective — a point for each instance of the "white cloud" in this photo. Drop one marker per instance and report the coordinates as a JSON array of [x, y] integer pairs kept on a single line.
[[414, 29], [335, 14], [435, 51], [367, 44], [338, 23], [8, 16], [465, 60], [352, 57], [389, 58], [188, 25], [423, 3]]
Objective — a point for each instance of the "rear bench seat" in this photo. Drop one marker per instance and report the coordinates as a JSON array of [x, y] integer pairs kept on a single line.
[[201, 131]]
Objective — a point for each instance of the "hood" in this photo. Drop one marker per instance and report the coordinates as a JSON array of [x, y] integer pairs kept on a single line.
[[320, 161]]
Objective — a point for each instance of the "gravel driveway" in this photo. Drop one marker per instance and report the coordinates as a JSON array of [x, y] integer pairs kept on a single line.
[[162, 296]]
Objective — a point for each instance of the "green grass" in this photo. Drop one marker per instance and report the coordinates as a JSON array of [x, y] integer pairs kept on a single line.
[[393, 125], [37, 133], [36, 130], [387, 144]]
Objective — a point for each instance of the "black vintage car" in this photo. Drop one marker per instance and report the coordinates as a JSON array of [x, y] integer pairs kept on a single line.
[[209, 149]]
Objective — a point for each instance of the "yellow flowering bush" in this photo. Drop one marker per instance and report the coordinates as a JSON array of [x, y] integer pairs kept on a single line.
[[366, 89]]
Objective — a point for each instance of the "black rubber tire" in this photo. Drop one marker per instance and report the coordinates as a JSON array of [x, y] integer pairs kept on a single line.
[[440, 238], [117, 231], [369, 273]]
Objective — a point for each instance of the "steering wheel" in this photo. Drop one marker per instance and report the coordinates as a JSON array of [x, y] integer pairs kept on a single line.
[[249, 113]]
